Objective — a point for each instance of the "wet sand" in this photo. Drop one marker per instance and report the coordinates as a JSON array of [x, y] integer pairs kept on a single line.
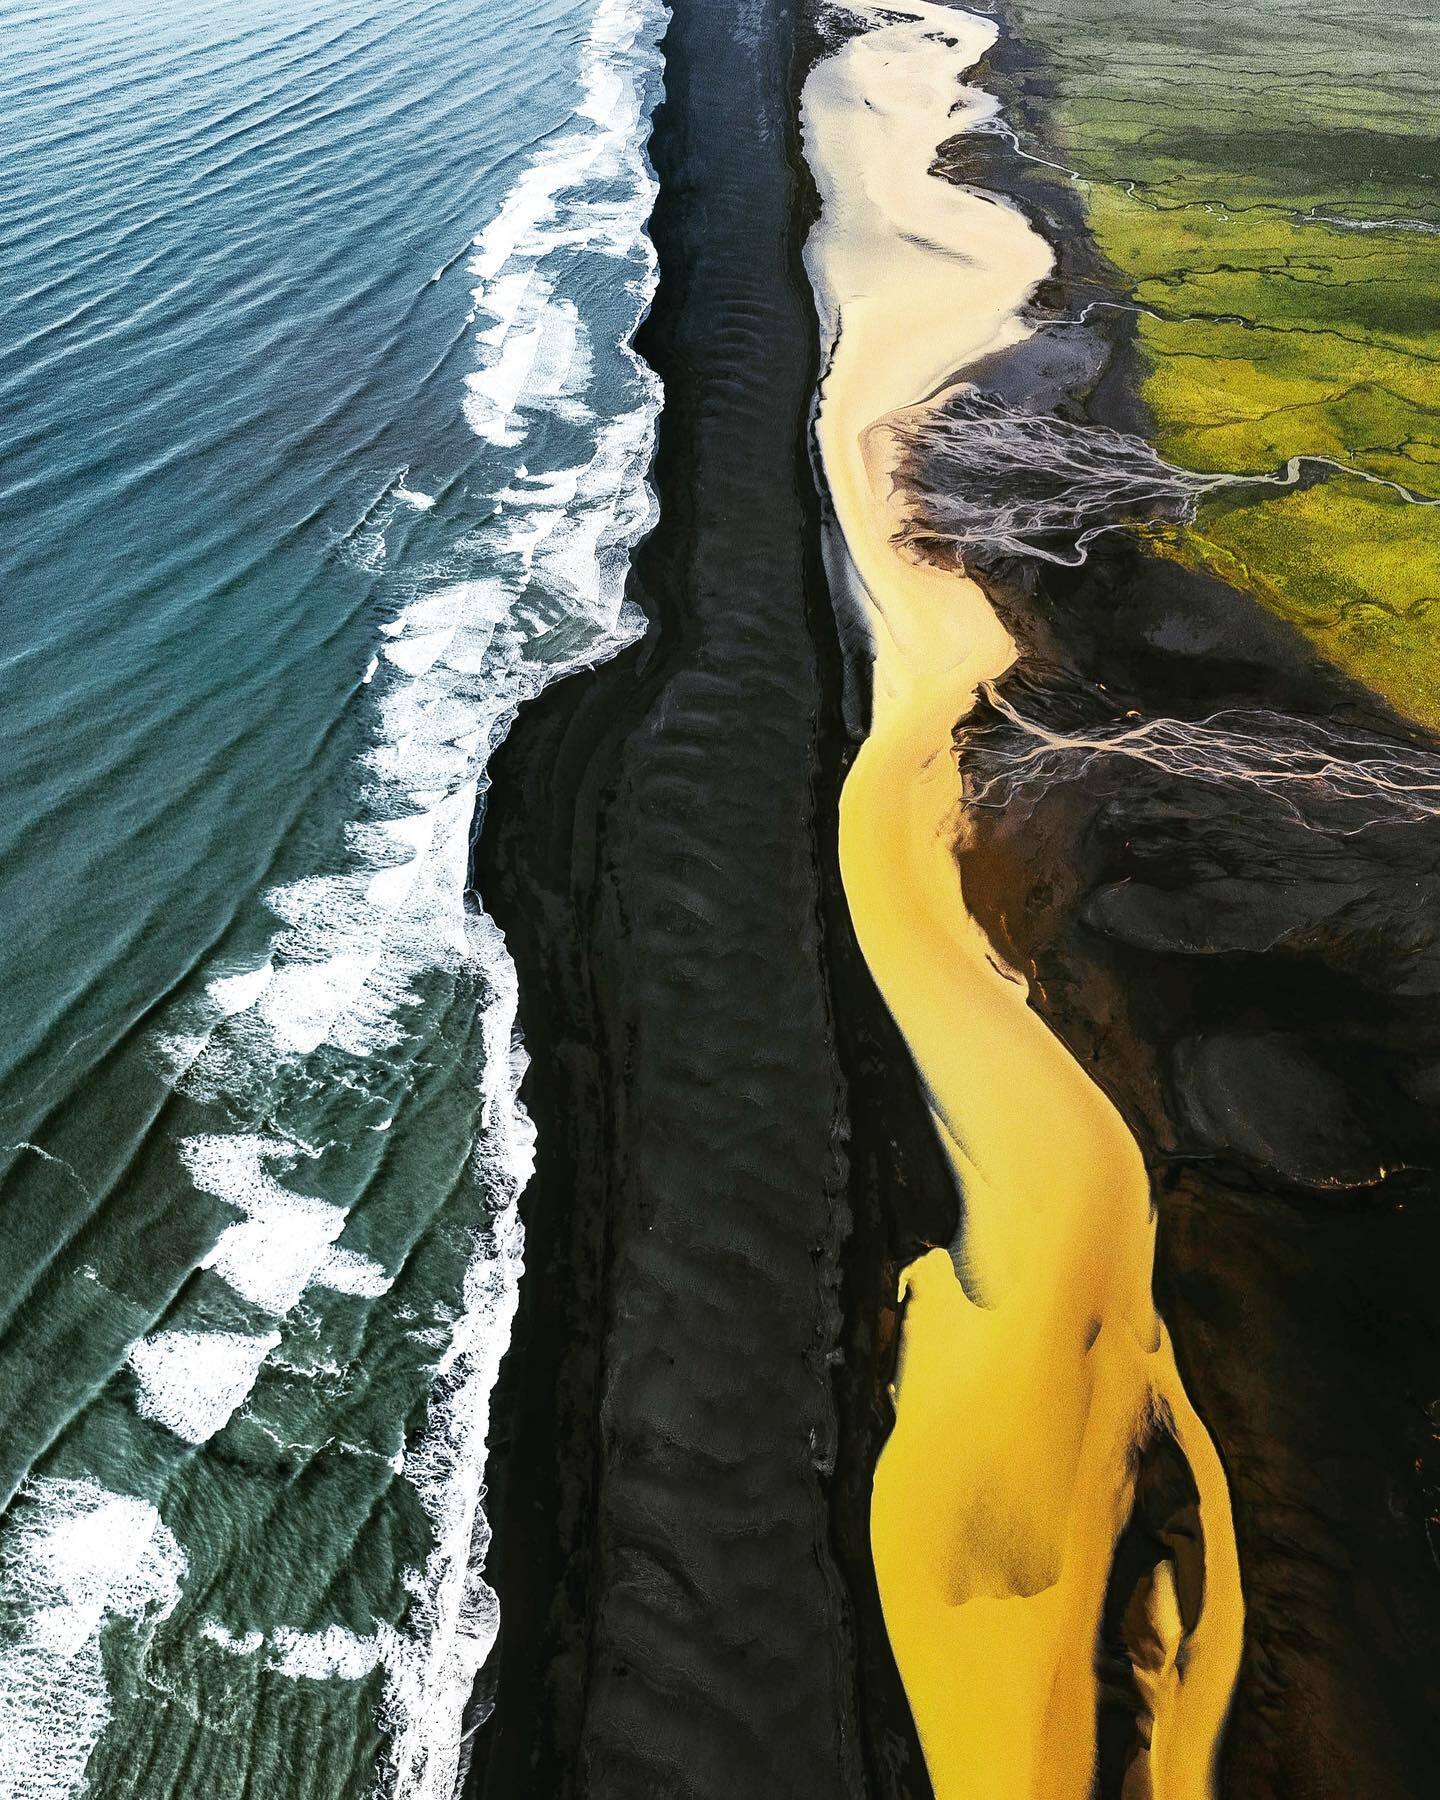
[[1035, 1375]]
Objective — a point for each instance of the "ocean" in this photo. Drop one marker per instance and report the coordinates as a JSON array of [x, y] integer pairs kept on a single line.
[[326, 452]]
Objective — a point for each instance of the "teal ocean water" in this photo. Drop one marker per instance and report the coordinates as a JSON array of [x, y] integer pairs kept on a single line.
[[324, 453]]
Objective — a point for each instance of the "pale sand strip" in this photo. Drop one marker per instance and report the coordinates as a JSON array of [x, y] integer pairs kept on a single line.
[[1022, 1393]]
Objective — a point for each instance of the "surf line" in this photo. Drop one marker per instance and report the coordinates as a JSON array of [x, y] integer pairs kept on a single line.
[[1034, 1370]]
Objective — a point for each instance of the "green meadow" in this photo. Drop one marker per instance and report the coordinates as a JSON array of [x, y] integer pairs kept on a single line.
[[1267, 191]]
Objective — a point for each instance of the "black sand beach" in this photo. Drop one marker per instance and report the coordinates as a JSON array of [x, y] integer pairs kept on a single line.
[[733, 1157]]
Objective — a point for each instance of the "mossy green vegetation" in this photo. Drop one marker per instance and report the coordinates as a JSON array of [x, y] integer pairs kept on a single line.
[[1265, 183]]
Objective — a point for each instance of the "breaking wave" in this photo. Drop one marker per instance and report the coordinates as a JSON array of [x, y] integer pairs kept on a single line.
[[75, 1557]]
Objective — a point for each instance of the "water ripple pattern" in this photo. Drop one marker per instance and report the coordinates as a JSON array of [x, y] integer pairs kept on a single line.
[[328, 453]]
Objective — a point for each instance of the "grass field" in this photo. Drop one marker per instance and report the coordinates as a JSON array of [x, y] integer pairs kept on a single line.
[[1266, 185]]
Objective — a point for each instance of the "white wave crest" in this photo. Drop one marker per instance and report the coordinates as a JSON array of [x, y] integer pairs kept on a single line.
[[332, 1654], [193, 1382], [244, 1644], [286, 1240], [456, 1615], [73, 1556]]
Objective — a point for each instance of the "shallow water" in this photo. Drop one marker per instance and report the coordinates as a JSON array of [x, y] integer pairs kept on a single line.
[[325, 454]]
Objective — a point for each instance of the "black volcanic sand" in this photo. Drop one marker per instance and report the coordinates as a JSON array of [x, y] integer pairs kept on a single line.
[[734, 1161], [1260, 995]]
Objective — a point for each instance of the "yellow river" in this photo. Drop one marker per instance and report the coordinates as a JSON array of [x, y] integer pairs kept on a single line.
[[1033, 1364]]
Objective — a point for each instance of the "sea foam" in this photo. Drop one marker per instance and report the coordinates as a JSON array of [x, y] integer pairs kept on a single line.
[[193, 1381], [74, 1557]]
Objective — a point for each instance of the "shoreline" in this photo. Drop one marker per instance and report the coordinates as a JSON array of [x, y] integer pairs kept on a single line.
[[1216, 1244]]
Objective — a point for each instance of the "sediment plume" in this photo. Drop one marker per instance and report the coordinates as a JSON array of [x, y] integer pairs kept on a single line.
[[1036, 1382]]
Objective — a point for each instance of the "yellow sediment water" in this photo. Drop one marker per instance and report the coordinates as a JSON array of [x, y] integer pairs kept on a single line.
[[1033, 1364]]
